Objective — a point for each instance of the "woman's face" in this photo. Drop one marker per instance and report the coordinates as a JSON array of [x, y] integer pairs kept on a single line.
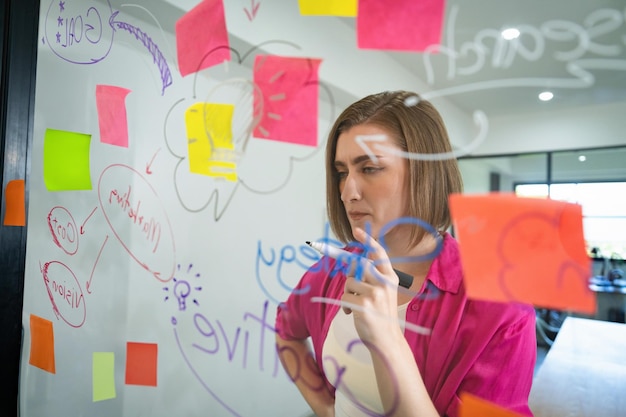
[[372, 178]]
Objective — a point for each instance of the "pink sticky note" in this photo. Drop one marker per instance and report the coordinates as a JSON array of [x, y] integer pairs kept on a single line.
[[202, 38], [111, 105], [288, 92], [403, 25]]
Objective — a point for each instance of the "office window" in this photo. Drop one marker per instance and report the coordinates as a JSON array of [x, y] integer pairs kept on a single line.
[[604, 210]]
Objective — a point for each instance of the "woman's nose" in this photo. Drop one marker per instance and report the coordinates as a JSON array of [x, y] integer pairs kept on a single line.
[[350, 189]]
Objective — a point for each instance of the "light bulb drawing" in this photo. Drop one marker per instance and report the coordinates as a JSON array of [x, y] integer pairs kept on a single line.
[[183, 289]]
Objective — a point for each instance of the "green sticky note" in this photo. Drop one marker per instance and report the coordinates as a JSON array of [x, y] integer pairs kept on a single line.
[[103, 376], [66, 160]]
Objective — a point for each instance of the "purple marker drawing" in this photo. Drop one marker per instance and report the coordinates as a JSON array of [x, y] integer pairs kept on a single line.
[[77, 32], [159, 59]]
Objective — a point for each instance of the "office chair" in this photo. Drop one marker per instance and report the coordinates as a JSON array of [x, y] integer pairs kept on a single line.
[[548, 323]]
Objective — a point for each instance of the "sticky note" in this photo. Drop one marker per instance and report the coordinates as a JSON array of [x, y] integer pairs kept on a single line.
[[288, 93], [473, 406], [42, 344], [15, 204], [141, 364], [202, 38], [346, 8], [111, 105], [103, 376], [66, 160], [401, 25], [523, 249], [209, 140]]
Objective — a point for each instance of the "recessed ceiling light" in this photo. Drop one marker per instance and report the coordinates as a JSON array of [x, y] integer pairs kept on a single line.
[[546, 96], [582, 158], [510, 33]]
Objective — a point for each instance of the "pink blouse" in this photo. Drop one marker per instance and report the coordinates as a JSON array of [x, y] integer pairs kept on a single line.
[[484, 348]]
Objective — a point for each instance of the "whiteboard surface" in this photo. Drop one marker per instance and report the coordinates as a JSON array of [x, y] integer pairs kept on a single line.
[[103, 279]]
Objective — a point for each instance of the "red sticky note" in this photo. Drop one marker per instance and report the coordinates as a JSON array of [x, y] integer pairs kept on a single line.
[[523, 249], [288, 93], [402, 25], [202, 38], [111, 105], [472, 406], [141, 364], [42, 344], [15, 204]]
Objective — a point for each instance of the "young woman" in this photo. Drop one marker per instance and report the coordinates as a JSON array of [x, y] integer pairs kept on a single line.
[[377, 348]]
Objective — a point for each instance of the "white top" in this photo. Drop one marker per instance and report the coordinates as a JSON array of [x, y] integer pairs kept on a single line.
[[347, 364]]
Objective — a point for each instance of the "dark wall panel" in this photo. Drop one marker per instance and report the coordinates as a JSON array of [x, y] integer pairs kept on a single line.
[[18, 39]]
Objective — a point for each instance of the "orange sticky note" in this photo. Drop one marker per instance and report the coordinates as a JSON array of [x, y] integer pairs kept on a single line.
[[472, 406], [401, 25], [15, 208], [141, 364], [523, 249], [110, 102], [288, 92], [42, 344], [202, 37]]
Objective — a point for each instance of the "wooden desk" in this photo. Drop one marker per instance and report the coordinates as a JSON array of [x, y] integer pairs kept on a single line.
[[584, 372]]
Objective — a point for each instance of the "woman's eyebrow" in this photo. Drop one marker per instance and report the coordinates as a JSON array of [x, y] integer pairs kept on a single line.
[[359, 159]]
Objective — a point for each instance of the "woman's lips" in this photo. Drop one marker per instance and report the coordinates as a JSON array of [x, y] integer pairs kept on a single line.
[[356, 215]]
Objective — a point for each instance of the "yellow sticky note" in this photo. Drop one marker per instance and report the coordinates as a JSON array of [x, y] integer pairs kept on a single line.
[[103, 376], [66, 160], [42, 344], [209, 140], [347, 8]]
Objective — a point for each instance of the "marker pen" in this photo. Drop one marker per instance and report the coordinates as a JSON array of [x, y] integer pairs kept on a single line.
[[334, 252]]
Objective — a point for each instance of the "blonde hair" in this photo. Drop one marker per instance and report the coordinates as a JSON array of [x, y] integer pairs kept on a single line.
[[417, 129]]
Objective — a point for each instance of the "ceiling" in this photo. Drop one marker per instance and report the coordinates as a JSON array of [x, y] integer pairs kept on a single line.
[[575, 48]]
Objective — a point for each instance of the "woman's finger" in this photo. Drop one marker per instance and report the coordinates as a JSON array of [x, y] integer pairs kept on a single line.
[[350, 293], [377, 254]]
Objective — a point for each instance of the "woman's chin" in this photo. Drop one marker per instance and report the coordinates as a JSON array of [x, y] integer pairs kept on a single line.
[[366, 227]]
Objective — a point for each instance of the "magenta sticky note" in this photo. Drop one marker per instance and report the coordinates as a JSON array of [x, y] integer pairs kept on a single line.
[[202, 38], [288, 94], [111, 105], [401, 25]]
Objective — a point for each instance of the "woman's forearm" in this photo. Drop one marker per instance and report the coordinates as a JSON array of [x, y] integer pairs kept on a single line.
[[400, 383], [299, 363]]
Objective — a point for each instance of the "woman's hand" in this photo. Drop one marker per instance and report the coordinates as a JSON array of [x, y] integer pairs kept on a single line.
[[373, 298]]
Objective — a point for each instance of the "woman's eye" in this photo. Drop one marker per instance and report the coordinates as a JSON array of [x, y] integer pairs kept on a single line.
[[371, 170], [341, 175]]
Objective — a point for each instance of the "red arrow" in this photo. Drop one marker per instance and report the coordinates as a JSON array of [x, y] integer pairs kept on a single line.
[[255, 8], [88, 285], [82, 226], [149, 164]]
